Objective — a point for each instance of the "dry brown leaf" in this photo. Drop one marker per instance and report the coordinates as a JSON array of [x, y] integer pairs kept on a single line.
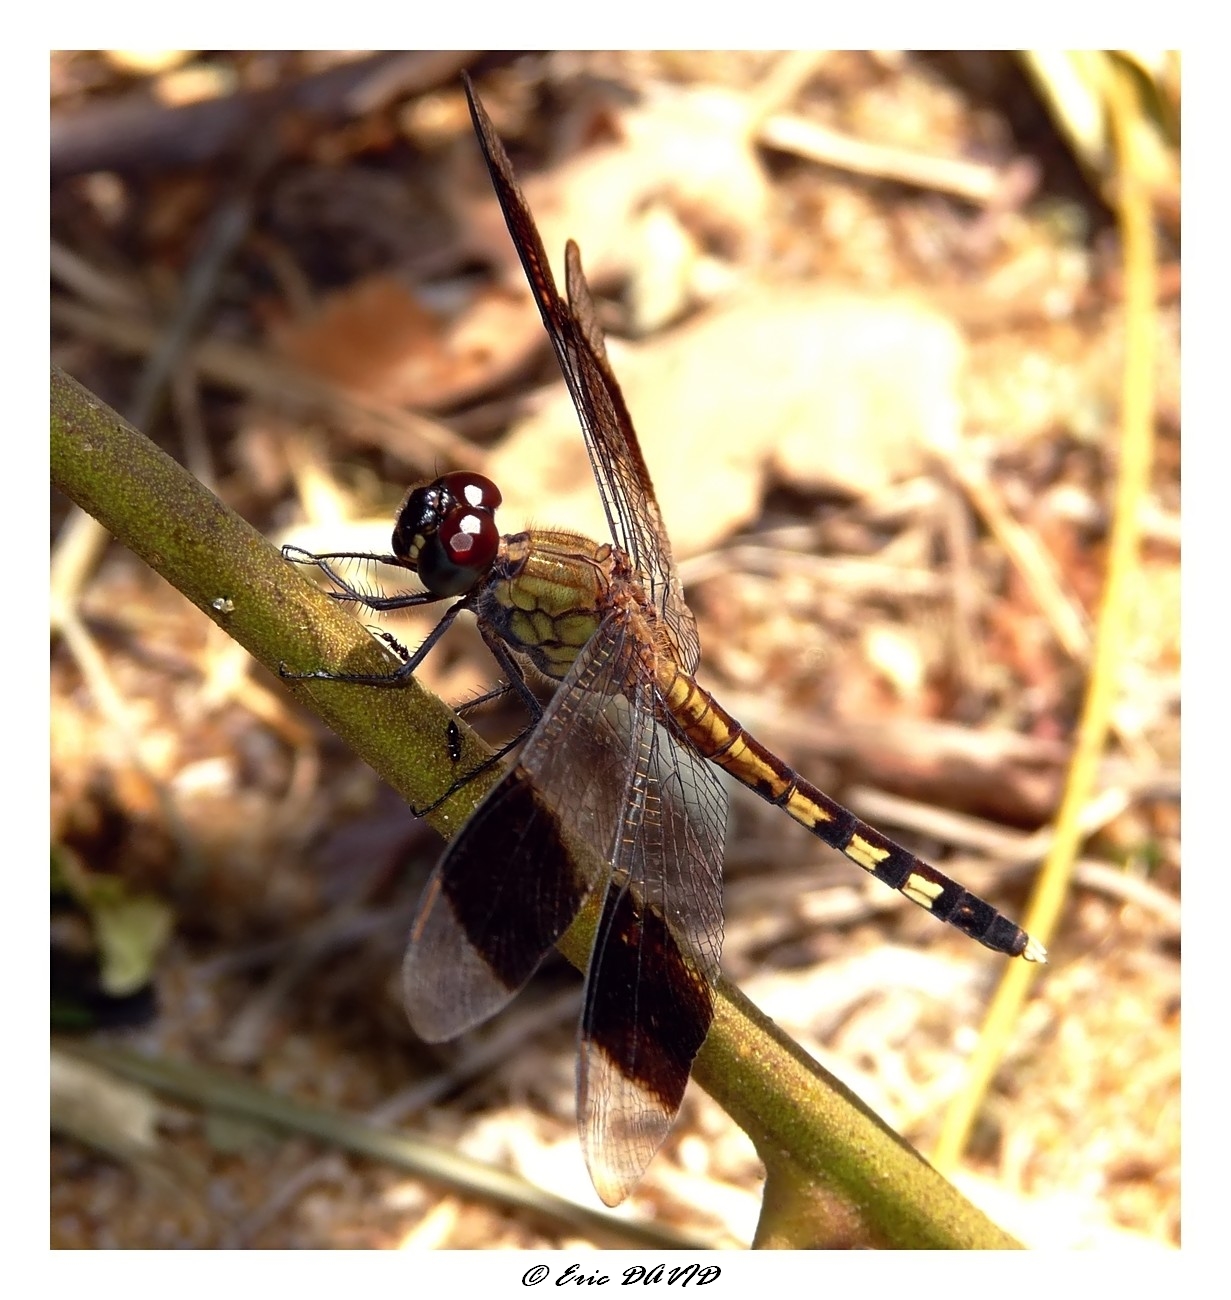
[[378, 339], [373, 336]]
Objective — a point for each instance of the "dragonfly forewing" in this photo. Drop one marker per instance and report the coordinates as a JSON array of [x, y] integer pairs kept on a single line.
[[504, 892], [615, 455], [509, 885]]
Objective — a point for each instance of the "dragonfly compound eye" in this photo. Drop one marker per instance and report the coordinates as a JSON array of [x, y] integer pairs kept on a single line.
[[473, 490], [447, 533]]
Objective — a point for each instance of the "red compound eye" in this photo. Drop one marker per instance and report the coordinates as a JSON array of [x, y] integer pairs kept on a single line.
[[470, 539], [473, 490], [447, 533]]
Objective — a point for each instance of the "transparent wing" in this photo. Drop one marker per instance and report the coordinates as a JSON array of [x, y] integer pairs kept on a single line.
[[619, 467], [615, 455], [656, 957]]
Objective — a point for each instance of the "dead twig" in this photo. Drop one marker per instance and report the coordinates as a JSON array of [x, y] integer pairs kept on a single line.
[[413, 439], [974, 182], [140, 134]]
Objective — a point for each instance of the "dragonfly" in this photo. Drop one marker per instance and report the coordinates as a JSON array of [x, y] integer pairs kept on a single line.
[[624, 757]]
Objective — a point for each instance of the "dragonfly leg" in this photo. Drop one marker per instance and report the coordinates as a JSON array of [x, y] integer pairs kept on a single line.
[[402, 673], [454, 742], [347, 592], [516, 681], [513, 671]]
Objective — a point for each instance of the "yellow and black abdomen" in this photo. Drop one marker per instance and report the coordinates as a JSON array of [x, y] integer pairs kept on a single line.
[[717, 735]]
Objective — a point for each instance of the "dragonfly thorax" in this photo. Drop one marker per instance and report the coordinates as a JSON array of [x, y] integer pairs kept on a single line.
[[446, 531], [546, 593]]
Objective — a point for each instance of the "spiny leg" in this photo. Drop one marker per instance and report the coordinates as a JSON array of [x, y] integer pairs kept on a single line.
[[346, 591], [516, 683]]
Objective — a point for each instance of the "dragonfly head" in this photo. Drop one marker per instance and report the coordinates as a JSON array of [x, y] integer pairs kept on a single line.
[[446, 531]]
